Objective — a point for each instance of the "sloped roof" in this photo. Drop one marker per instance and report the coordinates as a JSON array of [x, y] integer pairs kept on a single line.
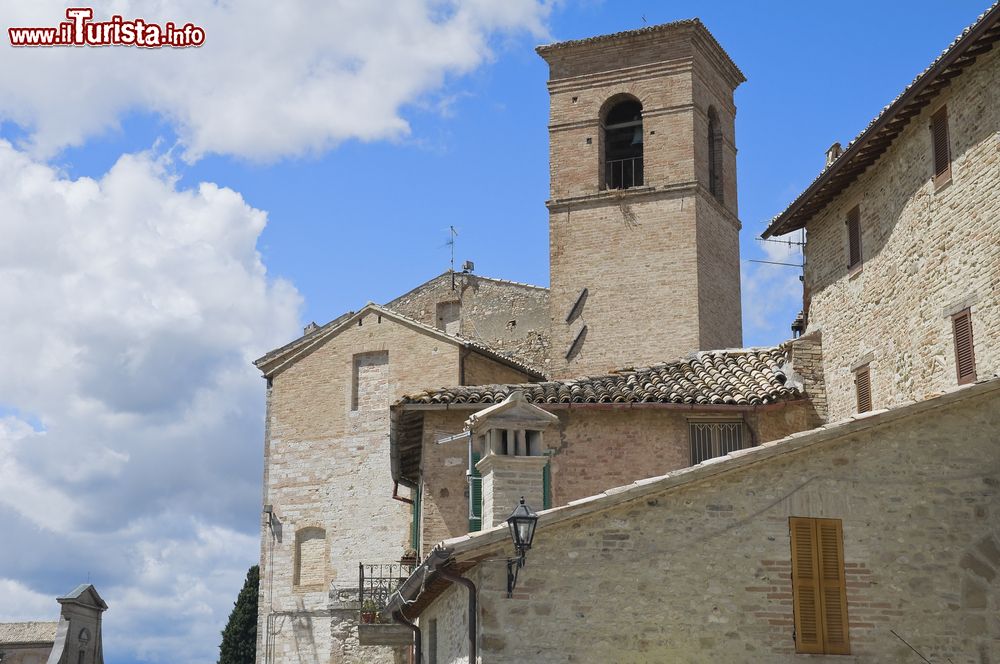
[[28, 632], [462, 553], [279, 359], [876, 138], [741, 377]]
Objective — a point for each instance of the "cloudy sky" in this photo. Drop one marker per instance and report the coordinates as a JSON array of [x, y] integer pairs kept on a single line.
[[169, 215]]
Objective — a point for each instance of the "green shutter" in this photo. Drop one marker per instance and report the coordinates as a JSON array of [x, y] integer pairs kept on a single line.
[[415, 525], [475, 496], [547, 486]]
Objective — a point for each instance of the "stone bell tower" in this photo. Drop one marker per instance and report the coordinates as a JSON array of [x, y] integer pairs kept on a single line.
[[643, 223]]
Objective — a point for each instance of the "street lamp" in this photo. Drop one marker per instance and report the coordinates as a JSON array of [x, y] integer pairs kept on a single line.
[[522, 522]]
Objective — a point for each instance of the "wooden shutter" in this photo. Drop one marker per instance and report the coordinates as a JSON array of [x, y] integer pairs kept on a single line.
[[819, 589], [415, 523], [942, 150], [833, 586], [863, 387], [854, 237], [547, 486], [965, 355], [475, 496], [805, 587]]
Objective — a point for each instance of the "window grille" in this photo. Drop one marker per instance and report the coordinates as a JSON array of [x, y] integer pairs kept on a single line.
[[712, 439]]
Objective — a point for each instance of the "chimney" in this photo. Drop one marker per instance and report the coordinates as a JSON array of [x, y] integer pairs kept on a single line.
[[509, 438], [832, 153], [310, 328]]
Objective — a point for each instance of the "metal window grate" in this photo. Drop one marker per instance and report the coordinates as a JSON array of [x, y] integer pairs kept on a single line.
[[712, 439], [623, 173]]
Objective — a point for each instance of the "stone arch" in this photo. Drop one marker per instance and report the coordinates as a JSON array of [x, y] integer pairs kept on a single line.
[[621, 142]]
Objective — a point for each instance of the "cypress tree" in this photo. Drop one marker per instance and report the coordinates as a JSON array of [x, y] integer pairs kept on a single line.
[[239, 638]]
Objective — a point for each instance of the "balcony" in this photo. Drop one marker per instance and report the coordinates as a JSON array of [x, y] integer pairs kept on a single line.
[[623, 173], [376, 583]]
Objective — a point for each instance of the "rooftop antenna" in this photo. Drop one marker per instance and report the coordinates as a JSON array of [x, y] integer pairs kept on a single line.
[[644, 19], [452, 234]]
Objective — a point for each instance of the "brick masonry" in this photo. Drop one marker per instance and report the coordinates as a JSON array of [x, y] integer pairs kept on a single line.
[[592, 448], [927, 252], [701, 572], [660, 262]]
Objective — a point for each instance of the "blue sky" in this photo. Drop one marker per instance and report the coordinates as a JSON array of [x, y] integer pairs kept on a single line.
[[170, 215]]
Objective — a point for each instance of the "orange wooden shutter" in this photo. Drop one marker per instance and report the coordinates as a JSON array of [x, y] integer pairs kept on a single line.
[[853, 237], [806, 587], [939, 139], [833, 587], [965, 356], [863, 387]]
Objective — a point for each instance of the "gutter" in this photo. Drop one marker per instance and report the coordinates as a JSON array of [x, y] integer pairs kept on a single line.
[[416, 655], [410, 589]]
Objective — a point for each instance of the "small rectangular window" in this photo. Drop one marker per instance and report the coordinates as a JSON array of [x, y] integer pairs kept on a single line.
[[854, 237], [941, 146], [965, 353], [713, 439], [819, 589], [863, 388]]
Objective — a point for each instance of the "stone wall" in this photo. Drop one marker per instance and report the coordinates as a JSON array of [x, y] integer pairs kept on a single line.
[[927, 253], [701, 572], [592, 448], [659, 262], [327, 467], [480, 370], [504, 315]]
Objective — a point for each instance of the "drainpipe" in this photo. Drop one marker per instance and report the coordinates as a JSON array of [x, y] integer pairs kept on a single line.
[[455, 578], [398, 617]]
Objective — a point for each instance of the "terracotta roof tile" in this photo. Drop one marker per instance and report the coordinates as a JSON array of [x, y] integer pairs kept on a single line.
[[745, 377]]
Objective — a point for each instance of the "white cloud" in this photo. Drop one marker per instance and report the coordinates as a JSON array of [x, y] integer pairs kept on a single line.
[[273, 79], [131, 428], [772, 294]]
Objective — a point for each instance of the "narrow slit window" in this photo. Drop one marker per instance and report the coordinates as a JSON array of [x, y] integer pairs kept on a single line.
[[714, 155], [863, 388], [819, 588], [854, 237], [941, 146], [965, 354]]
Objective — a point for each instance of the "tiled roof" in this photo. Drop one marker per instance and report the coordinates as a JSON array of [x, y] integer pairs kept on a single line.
[[744, 377], [28, 632], [867, 146]]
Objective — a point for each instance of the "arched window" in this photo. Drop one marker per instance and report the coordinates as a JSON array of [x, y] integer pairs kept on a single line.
[[623, 145], [714, 155], [309, 568]]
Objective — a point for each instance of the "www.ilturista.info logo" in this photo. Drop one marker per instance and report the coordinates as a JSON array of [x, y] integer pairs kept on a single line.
[[80, 30]]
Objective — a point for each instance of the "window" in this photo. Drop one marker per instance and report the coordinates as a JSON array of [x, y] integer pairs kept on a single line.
[[712, 439], [819, 591], [941, 147], [370, 381], [623, 145], [965, 354], [309, 568], [854, 238], [863, 389], [714, 155], [475, 493]]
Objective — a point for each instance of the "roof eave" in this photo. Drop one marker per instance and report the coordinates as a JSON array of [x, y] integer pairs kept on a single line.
[[791, 219]]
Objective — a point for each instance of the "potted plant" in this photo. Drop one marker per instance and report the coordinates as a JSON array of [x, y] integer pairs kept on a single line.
[[369, 612]]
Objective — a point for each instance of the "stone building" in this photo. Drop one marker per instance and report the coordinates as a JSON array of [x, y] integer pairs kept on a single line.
[[874, 535], [698, 565], [74, 639], [902, 254], [398, 436]]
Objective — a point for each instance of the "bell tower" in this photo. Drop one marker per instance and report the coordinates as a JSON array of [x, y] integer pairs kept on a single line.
[[643, 222]]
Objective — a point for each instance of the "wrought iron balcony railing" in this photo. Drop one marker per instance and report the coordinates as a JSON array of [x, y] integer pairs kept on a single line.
[[376, 583]]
